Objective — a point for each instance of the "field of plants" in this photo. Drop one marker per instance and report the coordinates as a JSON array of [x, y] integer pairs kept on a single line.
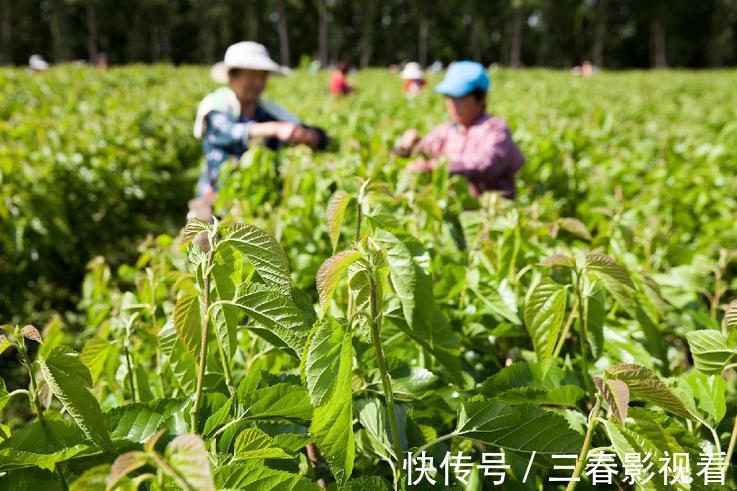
[[355, 326]]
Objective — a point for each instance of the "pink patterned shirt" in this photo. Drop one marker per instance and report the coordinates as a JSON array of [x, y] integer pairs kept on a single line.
[[486, 154]]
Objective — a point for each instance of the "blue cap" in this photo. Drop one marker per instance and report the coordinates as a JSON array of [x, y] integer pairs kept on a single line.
[[463, 78]]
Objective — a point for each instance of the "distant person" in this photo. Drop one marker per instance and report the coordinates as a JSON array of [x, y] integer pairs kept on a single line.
[[586, 69], [233, 118], [101, 61], [339, 84], [36, 63], [476, 145], [414, 78]]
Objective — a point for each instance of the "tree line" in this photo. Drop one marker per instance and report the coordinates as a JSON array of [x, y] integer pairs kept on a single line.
[[553, 33]]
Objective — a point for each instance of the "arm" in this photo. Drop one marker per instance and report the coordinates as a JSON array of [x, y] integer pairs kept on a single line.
[[222, 131]]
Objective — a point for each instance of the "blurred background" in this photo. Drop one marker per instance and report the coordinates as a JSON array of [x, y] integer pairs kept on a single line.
[[559, 33]]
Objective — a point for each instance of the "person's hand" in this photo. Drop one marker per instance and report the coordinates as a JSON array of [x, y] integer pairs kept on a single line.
[[311, 137], [408, 140], [275, 129], [290, 133], [420, 165]]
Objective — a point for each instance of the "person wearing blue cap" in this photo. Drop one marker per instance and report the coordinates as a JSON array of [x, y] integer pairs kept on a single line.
[[475, 144]]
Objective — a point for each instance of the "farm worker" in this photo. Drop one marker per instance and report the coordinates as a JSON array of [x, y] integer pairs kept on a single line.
[[476, 145], [339, 84], [414, 78], [232, 118], [36, 63]]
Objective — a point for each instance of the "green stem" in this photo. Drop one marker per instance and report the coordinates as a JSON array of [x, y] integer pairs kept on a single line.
[[435, 441], [385, 380], [226, 366], [581, 461], [730, 447], [164, 465], [37, 406], [358, 220], [19, 392], [203, 344], [129, 358], [566, 328], [582, 322]]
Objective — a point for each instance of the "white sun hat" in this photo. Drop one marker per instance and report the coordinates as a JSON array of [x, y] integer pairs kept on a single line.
[[412, 71], [37, 63], [248, 55]]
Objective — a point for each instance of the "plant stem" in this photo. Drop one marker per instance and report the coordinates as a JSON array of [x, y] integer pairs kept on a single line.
[[37, 406], [730, 447], [226, 366], [203, 343], [385, 380], [566, 328], [358, 220], [582, 322], [166, 467], [581, 461], [128, 357]]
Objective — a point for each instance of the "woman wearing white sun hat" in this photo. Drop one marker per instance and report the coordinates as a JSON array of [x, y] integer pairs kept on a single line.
[[232, 118], [414, 78]]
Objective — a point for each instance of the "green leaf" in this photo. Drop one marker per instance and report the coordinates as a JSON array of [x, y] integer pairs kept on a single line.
[[576, 227], [562, 260], [188, 457], [253, 443], [712, 350], [193, 228], [330, 273], [334, 215], [645, 385], [264, 252], [373, 417], [595, 315], [136, 422], [274, 316], [25, 479], [188, 323], [323, 357], [43, 445], [730, 318], [366, 483], [70, 381], [231, 271], [616, 394], [655, 434], [327, 370], [4, 398], [521, 429], [254, 476], [403, 273], [413, 286], [625, 442], [124, 465], [493, 300], [524, 382], [278, 402], [182, 364], [544, 315], [613, 276], [709, 391], [4, 343], [95, 354], [95, 479]]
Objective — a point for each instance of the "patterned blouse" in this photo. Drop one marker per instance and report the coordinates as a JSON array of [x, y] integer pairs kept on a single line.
[[486, 154]]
